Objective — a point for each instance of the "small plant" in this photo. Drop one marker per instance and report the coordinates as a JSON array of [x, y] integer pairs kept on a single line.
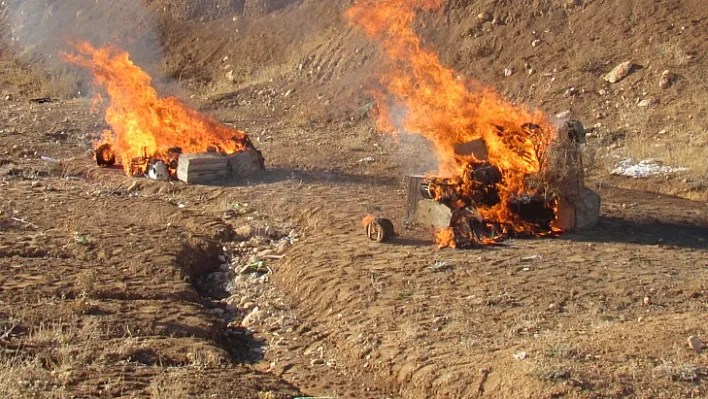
[[82, 239], [404, 295]]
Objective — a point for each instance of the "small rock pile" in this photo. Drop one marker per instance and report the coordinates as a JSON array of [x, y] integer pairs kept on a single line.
[[243, 301]]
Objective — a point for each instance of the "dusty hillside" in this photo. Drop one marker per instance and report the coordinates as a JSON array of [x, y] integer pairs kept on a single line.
[[113, 286], [557, 53]]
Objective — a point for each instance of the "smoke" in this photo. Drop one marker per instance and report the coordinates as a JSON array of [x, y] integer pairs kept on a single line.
[[413, 151], [41, 30]]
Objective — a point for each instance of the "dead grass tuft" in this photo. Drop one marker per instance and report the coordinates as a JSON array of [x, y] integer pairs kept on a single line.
[[169, 385], [680, 372]]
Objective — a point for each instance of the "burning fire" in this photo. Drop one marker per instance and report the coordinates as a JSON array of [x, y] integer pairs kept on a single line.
[[144, 127], [450, 112]]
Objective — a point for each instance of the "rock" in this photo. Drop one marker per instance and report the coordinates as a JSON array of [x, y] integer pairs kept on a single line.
[[317, 362], [563, 115], [367, 160], [508, 72], [531, 258], [520, 355], [265, 253], [695, 344], [620, 72], [484, 16], [572, 92], [646, 301], [230, 76], [256, 315], [229, 214], [8, 97], [666, 79], [646, 102], [282, 247], [536, 43], [36, 183], [246, 232]]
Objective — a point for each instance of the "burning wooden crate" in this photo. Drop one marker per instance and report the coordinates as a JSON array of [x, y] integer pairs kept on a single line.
[[470, 209], [210, 167]]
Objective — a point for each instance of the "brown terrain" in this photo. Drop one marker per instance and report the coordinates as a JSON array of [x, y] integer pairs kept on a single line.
[[113, 286]]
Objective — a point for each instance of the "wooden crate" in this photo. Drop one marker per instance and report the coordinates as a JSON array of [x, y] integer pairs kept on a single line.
[[203, 168]]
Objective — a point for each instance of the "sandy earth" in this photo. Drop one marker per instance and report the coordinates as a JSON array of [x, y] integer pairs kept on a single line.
[[101, 290]]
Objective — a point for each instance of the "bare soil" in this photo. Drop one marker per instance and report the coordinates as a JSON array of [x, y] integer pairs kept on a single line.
[[98, 290]]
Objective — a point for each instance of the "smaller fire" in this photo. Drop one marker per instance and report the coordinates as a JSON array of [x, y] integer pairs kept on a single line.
[[147, 129]]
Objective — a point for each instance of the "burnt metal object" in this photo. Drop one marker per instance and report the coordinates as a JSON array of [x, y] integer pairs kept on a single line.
[[42, 100], [105, 156], [380, 230]]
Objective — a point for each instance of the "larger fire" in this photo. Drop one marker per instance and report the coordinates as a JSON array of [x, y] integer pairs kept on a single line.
[[436, 103], [145, 127]]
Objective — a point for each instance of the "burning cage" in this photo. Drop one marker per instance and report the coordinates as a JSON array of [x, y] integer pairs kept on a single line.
[[470, 210]]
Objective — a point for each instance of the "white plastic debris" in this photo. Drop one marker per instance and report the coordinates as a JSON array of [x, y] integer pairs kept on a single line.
[[644, 169], [158, 171]]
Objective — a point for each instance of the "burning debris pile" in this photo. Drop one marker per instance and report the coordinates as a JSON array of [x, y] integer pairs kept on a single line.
[[503, 171], [152, 135]]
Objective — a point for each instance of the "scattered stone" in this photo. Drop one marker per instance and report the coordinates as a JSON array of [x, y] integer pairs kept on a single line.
[[536, 43], [520, 355], [563, 115], [8, 97], [246, 232], [317, 362], [531, 258], [647, 102], [646, 301], [36, 184], [230, 76], [484, 16], [367, 160], [620, 72], [508, 72], [253, 317], [282, 247], [666, 79], [572, 92], [695, 344]]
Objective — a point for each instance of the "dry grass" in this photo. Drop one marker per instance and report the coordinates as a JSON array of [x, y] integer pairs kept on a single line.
[[169, 385], [680, 372], [33, 81]]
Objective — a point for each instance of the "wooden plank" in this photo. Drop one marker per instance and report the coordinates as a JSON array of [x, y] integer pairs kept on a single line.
[[414, 196], [203, 167]]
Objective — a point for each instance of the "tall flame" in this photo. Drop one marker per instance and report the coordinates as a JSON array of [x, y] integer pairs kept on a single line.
[[447, 110], [142, 124]]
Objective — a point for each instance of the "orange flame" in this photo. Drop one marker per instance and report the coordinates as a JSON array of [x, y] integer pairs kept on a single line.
[[448, 111], [445, 238], [144, 125]]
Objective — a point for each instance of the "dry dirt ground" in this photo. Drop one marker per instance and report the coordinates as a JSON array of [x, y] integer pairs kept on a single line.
[[102, 284]]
